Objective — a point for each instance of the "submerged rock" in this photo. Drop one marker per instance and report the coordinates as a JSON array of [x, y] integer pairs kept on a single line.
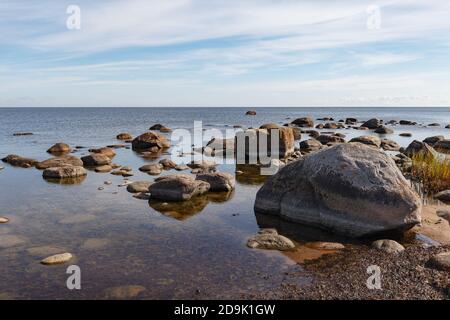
[[372, 123], [351, 189], [59, 148], [388, 246], [124, 136], [139, 186], [96, 159], [251, 113], [304, 122], [57, 259], [177, 187], [152, 169], [269, 239], [371, 141], [18, 161], [59, 162], [109, 152], [219, 181], [4, 220], [66, 172], [150, 140], [123, 292]]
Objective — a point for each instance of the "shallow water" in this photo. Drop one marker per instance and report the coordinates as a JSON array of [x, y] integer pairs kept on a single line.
[[198, 251]]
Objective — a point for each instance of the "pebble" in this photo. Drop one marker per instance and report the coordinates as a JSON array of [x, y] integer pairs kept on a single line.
[[57, 259], [100, 188], [4, 220], [388, 246]]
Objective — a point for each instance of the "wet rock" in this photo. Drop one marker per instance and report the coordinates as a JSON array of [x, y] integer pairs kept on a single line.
[[177, 187], [432, 140], [221, 146], [1, 168], [270, 240], [443, 196], [407, 123], [441, 261], [249, 142], [405, 134], [443, 145], [372, 123], [11, 240], [138, 186], [325, 245], [418, 147], [313, 133], [77, 218], [160, 127], [390, 145], [126, 168], [108, 183], [22, 134], [142, 196], [204, 165], [304, 122], [150, 140], [384, 130], [4, 220], [251, 113], [351, 189], [122, 173], [95, 159], [60, 162], [219, 181], [57, 259], [447, 126], [444, 213], [123, 292], [181, 167], [371, 141], [168, 164], [351, 121], [59, 148], [152, 169], [124, 136], [18, 161], [66, 172], [327, 139], [110, 153], [103, 169], [388, 246], [117, 146], [310, 145]]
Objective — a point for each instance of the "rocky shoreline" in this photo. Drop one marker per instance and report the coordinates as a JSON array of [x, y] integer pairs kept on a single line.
[[358, 188]]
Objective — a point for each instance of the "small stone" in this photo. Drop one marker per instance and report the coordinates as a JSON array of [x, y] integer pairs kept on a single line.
[[57, 259], [100, 188], [389, 246], [325, 245], [269, 239], [103, 169], [4, 220], [107, 183], [124, 292], [441, 261]]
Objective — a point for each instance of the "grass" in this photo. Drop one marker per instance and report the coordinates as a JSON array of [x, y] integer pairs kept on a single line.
[[432, 172]]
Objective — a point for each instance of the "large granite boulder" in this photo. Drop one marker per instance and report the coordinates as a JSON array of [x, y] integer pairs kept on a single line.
[[150, 140], [59, 162], [350, 189], [177, 187]]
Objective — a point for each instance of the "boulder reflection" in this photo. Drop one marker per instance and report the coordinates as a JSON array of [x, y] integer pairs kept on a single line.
[[66, 181], [184, 210]]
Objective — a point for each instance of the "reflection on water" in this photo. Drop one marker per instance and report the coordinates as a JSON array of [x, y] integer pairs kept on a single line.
[[249, 174], [66, 181], [184, 210]]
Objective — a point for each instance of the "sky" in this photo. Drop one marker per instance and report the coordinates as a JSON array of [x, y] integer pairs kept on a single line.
[[219, 53]]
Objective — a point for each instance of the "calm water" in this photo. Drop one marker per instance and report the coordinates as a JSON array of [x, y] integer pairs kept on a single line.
[[196, 251]]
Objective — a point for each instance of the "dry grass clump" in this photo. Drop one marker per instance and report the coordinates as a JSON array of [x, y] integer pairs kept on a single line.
[[432, 172]]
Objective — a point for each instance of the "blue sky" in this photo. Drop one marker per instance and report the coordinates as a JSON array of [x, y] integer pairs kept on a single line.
[[225, 53]]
